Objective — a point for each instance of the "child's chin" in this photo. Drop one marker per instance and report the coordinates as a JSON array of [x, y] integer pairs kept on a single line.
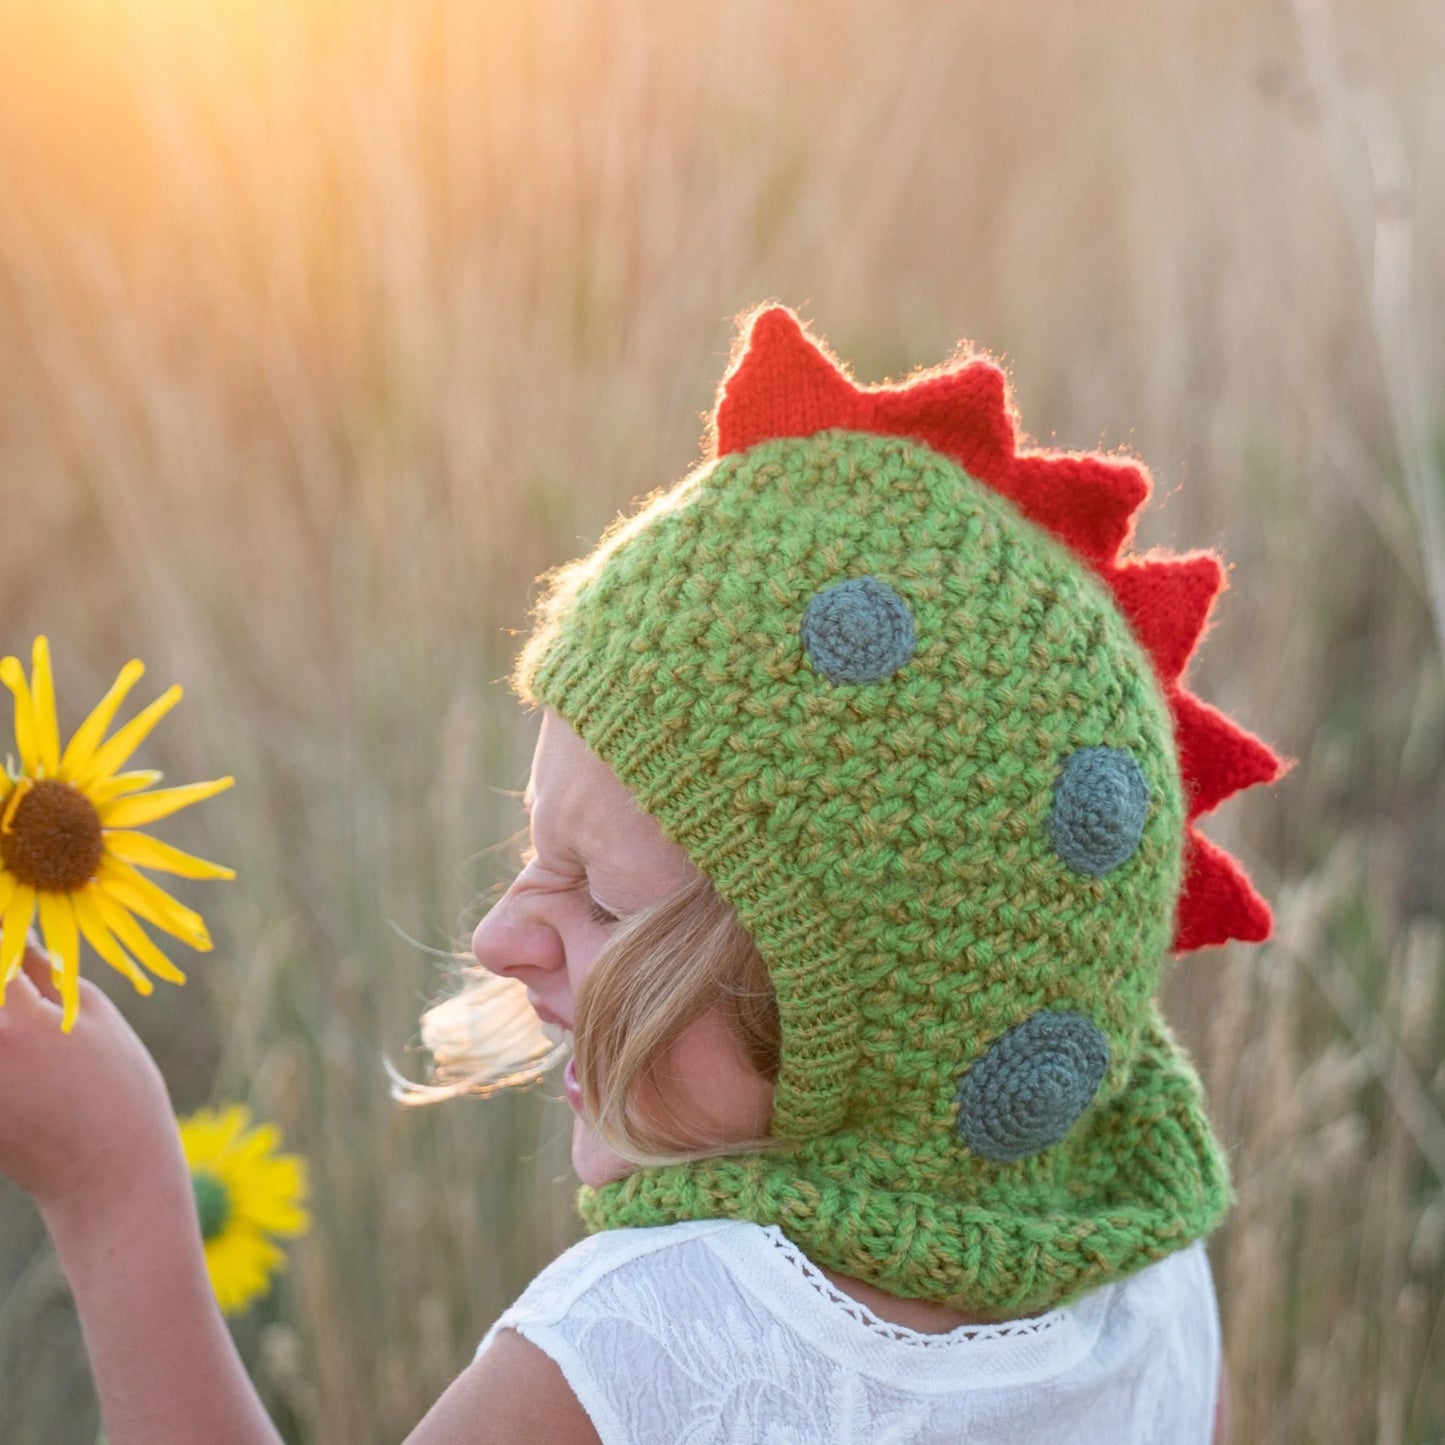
[[593, 1164]]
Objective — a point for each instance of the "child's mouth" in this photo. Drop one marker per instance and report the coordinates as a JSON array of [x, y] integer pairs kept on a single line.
[[546, 1014]]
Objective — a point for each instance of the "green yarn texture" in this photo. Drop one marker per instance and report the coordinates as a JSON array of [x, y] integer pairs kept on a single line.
[[887, 844]]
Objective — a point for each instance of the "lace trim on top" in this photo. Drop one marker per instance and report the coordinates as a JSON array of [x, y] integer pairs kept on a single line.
[[1009, 1330]]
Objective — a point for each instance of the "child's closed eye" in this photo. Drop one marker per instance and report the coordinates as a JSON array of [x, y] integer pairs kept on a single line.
[[597, 913]]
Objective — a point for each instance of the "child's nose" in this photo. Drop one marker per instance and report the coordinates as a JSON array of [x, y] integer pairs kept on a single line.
[[513, 938]]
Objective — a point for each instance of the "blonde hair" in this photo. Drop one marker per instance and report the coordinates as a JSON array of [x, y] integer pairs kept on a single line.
[[663, 970]]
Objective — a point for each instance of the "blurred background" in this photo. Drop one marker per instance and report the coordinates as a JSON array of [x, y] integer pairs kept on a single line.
[[327, 325]]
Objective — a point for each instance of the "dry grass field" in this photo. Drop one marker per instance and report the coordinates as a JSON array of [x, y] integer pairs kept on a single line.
[[327, 325]]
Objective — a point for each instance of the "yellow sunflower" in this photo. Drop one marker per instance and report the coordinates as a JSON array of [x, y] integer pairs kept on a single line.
[[247, 1196], [68, 849]]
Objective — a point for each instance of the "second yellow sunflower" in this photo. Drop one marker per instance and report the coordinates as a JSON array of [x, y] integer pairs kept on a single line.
[[249, 1196]]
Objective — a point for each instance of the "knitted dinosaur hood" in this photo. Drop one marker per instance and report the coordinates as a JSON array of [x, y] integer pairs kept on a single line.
[[893, 685]]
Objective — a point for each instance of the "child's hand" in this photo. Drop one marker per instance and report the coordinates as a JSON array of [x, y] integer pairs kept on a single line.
[[84, 1114]]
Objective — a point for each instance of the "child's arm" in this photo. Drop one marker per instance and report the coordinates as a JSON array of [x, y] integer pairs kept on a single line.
[[86, 1127], [513, 1393]]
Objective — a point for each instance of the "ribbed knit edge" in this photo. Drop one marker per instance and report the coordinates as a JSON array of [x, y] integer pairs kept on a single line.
[[951, 1248], [617, 726]]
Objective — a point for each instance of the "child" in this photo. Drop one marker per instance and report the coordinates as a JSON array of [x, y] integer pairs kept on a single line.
[[862, 823]]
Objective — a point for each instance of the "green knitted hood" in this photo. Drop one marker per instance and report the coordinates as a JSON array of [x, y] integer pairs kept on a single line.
[[916, 742]]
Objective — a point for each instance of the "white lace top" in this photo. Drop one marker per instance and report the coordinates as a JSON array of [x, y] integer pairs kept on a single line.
[[723, 1331]]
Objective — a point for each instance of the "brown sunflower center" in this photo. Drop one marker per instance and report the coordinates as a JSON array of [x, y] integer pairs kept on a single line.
[[53, 841]]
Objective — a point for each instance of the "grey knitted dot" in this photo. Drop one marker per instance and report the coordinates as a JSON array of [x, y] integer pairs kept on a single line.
[[1101, 799], [858, 631], [1031, 1086]]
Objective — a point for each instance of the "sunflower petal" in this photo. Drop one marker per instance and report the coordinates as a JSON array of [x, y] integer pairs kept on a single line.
[[7, 817], [147, 852], [258, 1144], [121, 784], [42, 699], [232, 1122], [80, 751], [8, 884], [62, 943], [19, 914], [240, 1263], [113, 755], [277, 1216], [272, 1193], [237, 1119], [198, 1137], [121, 882], [207, 1135], [150, 807], [102, 940], [134, 938], [13, 676]]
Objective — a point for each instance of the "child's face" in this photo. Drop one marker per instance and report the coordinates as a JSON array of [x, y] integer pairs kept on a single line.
[[596, 857]]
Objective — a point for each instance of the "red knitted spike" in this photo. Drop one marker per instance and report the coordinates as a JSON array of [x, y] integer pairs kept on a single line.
[[1087, 502], [784, 384], [1217, 902], [962, 413], [1217, 758], [1167, 601]]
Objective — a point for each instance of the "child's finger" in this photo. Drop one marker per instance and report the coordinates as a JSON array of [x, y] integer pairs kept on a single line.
[[38, 970], [25, 999]]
